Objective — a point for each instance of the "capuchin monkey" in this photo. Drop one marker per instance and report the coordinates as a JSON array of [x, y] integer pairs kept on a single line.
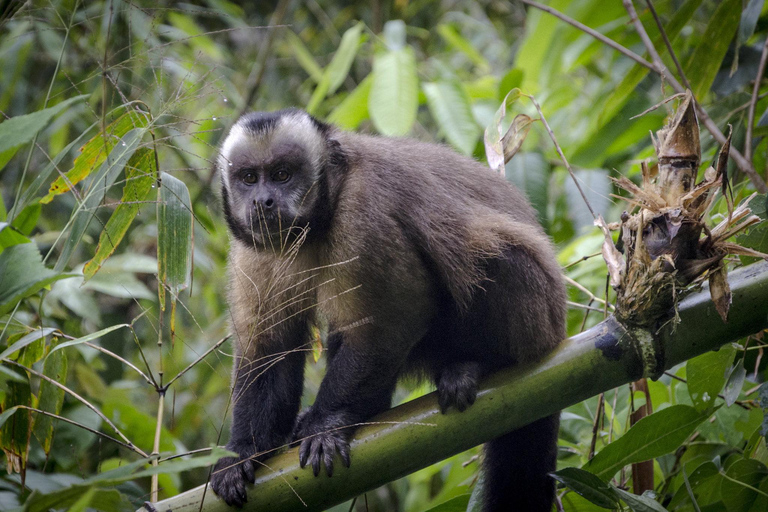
[[421, 262]]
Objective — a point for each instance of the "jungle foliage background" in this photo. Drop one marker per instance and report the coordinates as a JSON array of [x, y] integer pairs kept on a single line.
[[113, 111]]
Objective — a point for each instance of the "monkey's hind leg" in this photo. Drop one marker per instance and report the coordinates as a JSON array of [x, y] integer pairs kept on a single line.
[[516, 468]]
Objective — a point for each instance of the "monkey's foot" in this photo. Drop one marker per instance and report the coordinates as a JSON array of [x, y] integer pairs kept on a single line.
[[321, 436], [230, 474], [457, 385]]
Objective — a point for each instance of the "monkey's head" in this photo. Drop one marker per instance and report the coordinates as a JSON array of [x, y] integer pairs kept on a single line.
[[274, 180]]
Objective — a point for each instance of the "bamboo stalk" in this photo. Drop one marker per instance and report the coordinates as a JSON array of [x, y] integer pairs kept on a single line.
[[415, 434]]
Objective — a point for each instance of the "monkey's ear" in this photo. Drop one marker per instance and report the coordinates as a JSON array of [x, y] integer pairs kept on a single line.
[[337, 157]]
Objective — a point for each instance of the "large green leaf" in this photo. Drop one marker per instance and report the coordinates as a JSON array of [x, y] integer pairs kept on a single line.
[[739, 487], [96, 188], [22, 274], [660, 433], [589, 486], [450, 106], [530, 173], [50, 398], [174, 237], [17, 131], [140, 174], [338, 68], [639, 503], [96, 150], [394, 97], [354, 109], [39, 502], [704, 63], [707, 374], [628, 86], [458, 42]]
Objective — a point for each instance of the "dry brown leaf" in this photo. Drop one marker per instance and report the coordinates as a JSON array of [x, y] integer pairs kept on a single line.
[[720, 291]]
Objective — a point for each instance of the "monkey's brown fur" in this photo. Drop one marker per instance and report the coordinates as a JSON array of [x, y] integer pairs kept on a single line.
[[421, 261]]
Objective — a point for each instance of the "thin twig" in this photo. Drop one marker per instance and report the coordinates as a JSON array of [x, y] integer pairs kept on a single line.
[[582, 306], [753, 102], [202, 356], [562, 156], [591, 295], [79, 398], [668, 44], [597, 35], [72, 422], [582, 259], [740, 403], [596, 425], [121, 359]]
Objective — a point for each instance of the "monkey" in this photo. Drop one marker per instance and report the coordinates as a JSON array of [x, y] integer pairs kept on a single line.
[[420, 261]]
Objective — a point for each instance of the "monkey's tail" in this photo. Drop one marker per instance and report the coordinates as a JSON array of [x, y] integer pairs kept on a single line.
[[517, 466]]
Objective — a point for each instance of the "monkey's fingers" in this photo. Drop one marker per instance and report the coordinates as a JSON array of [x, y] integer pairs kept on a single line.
[[329, 450], [306, 444], [344, 452], [314, 455]]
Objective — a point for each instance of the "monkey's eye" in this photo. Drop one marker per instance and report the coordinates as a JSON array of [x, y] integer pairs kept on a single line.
[[281, 175], [250, 178]]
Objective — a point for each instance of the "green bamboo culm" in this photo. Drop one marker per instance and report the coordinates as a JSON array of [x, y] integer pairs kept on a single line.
[[415, 434]]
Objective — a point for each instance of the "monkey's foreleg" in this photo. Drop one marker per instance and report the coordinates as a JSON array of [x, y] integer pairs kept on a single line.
[[358, 384], [266, 397]]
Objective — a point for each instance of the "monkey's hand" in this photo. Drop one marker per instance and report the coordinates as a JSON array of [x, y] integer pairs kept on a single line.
[[457, 385], [321, 436], [230, 475]]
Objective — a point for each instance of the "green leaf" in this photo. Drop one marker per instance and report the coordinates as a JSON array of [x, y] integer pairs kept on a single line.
[[95, 151], [628, 86], [7, 414], [511, 80], [338, 68], [707, 57], [96, 188], [587, 485], [140, 174], [22, 274], [27, 340], [354, 109], [394, 97], [26, 220], [736, 378], [14, 434], [749, 17], [458, 42], [196, 38], [39, 502], [639, 503], [660, 433], [739, 487], [457, 504], [89, 337], [530, 173], [450, 106], [50, 398], [174, 237], [17, 131], [706, 376], [10, 236], [304, 56]]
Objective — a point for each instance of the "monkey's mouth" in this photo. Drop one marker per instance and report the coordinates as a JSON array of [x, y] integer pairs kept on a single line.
[[267, 225]]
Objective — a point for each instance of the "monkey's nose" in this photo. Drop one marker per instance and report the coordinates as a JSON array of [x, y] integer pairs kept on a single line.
[[266, 204]]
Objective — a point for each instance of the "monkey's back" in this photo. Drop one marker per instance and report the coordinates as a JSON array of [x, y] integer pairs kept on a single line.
[[454, 210]]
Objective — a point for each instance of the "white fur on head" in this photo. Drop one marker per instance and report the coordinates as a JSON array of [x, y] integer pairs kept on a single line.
[[295, 126]]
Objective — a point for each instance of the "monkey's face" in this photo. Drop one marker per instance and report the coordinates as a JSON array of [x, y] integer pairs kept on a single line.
[[270, 177]]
